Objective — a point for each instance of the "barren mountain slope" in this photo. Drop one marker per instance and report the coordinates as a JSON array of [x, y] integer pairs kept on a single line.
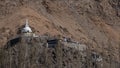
[[95, 22]]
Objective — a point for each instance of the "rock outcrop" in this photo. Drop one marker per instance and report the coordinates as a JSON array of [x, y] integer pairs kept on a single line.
[[92, 22]]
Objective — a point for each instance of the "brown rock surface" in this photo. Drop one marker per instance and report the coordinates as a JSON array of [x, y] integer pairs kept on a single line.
[[93, 22]]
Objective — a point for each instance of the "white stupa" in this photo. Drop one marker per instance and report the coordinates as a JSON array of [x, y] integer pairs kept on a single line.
[[26, 29]]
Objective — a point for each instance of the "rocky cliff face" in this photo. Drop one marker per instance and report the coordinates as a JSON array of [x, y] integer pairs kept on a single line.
[[92, 22]]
